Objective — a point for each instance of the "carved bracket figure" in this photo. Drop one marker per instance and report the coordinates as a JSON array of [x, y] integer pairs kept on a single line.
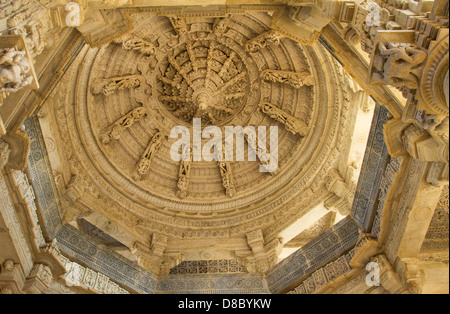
[[143, 165], [114, 131], [15, 71], [138, 44], [227, 176], [179, 25], [110, 86], [398, 64], [292, 124], [262, 40], [185, 172], [295, 79]]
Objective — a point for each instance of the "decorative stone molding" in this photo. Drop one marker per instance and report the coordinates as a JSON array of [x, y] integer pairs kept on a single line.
[[325, 276], [28, 197], [87, 279]]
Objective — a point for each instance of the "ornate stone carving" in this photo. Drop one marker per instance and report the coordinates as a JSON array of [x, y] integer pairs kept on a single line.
[[398, 64], [15, 70], [294, 79], [179, 25], [114, 131], [227, 178], [261, 41], [143, 166], [138, 44], [110, 86], [184, 172], [39, 280], [87, 279], [198, 89], [292, 124], [343, 189], [154, 259], [262, 256]]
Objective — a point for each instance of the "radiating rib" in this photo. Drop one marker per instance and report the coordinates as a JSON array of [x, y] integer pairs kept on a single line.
[[209, 60], [191, 54], [226, 65], [231, 82], [180, 70]]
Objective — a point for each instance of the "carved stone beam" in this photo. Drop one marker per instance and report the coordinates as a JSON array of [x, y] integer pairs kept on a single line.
[[358, 68], [4, 154], [292, 124], [114, 131], [295, 79], [110, 86], [143, 166]]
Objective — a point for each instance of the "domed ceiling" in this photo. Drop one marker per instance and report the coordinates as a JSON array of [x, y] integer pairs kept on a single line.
[[117, 106]]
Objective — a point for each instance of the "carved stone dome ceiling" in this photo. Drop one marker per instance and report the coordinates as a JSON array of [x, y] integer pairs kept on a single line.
[[131, 93]]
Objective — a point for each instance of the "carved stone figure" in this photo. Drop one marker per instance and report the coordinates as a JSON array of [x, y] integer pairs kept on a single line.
[[109, 86], [143, 165], [140, 45], [15, 70], [227, 178], [261, 41], [292, 124], [295, 79], [184, 173], [115, 130], [399, 64], [179, 25]]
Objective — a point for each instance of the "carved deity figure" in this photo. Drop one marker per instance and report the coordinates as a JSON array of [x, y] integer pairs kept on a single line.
[[109, 86], [15, 70], [292, 124], [115, 130], [399, 64], [294, 79], [143, 165], [261, 41]]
